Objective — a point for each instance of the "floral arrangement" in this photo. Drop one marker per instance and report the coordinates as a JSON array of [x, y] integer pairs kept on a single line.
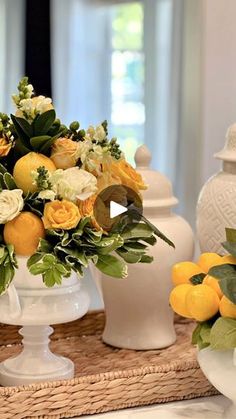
[[206, 291], [50, 178]]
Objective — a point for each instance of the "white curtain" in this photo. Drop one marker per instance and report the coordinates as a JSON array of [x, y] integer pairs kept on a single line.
[[12, 49]]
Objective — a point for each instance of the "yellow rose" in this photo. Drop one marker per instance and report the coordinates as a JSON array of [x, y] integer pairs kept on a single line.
[[5, 147], [127, 175], [107, 179], [86, 210], [64, 153], [61, 214]]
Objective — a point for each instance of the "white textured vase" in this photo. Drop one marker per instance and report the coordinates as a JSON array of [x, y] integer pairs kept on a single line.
[[29, 303], [216, 204], [138, 315], [220, 369]]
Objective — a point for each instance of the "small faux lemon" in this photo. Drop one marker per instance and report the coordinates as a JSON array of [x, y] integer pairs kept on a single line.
[[183, 271], [178, 299], [202, 302], [213, 283], [227, 308], [207, 260], [23, 168], [229, 259]]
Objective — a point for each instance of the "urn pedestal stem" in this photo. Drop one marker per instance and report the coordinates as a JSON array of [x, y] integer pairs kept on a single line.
[[36, 362]]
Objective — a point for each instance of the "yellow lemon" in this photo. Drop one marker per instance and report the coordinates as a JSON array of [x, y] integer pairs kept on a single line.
[[177, 299], [202, 302], [207, 260], [227, 308], [24, 232], [229, 259], [183, 271], [22, 172], [213, 283]]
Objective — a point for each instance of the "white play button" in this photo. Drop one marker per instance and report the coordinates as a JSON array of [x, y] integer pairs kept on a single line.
[[116, 209]]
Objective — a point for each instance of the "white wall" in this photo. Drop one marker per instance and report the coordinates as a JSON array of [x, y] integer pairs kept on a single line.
[[218, 78]]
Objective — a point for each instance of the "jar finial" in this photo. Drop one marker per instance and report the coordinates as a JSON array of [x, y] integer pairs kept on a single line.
[[228, 153], [142, 157]]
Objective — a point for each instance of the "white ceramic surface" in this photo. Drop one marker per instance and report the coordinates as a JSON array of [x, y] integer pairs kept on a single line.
[[220, 369], [138, 315], [29, 303], [216, 203]]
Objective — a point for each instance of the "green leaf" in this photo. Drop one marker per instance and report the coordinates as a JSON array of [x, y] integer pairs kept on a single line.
[[44, 246], [110, 265], [146, 259], [9, 181], [140, 231], [44, 122], [223, 333], [25, 126], [2, 169], [20, 132], [201, 335], [129, 257], [158, 233], [39, 141], [52, 277], [106, 246], [230, 247], [230, 235], [35, 258], [227, 279], [197, 279], [46, 147], [196, 334], [38, 268]]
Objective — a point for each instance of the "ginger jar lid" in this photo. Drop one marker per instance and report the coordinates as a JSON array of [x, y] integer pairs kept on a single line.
[[159, 193], [228, 153]]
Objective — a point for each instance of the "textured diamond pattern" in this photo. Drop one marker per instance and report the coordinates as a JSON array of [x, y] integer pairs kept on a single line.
[[216, 210]]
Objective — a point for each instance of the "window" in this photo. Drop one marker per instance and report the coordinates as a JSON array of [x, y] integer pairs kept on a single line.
[[127, 76], [111, 59]]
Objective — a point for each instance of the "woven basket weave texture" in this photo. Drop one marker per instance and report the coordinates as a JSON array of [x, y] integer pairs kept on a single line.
[[106, 378]]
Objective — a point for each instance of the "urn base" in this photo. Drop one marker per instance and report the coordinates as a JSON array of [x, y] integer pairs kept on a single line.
[[36, 362]]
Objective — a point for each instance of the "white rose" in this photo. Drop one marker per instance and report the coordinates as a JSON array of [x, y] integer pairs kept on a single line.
[[73, 184], [11, 203]]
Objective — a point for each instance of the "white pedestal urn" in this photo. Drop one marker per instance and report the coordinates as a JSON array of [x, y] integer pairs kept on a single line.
[[29, 303], [216, 204], [219, 366], [138, 315]]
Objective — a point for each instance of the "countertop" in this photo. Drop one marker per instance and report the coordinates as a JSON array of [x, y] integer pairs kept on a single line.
[[202, 408]]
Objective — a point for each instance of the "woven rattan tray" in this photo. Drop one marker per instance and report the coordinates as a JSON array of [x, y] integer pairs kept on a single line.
[[106, 378]]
